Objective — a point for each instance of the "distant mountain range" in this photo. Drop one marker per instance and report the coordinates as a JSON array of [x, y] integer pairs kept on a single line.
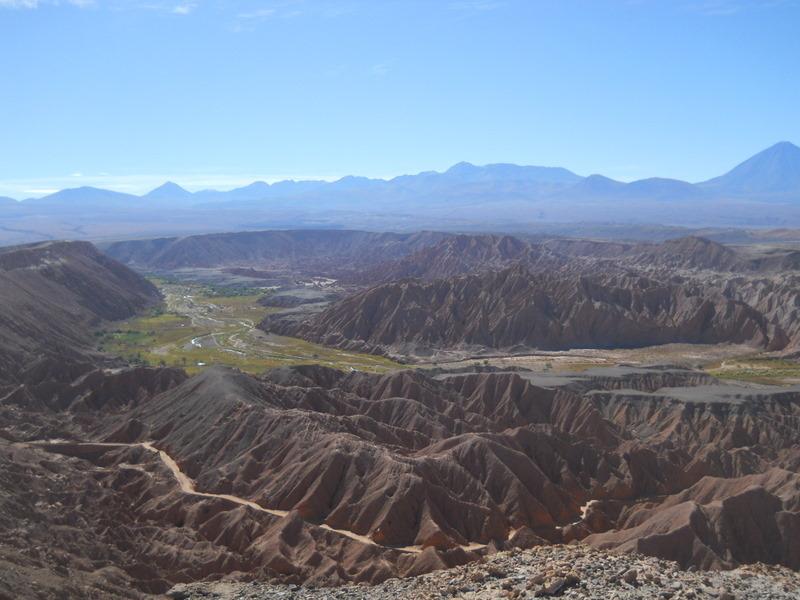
[[771, 174], [499, 197]]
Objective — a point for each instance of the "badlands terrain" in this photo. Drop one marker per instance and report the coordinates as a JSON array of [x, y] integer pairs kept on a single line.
[[291, 414]]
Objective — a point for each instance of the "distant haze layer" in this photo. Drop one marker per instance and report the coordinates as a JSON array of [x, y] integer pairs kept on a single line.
[[762, 191]]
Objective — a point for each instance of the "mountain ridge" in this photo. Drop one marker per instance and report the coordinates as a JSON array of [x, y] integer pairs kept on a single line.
[[763, 192], [773, 170], [168, 190], [759, 174], [54, 292], [515, 308]]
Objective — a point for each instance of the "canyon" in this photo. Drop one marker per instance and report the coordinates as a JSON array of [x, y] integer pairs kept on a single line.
[[130, 480]]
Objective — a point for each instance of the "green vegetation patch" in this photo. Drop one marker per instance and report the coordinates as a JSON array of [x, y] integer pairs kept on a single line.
[[200, 327], [756, 369]]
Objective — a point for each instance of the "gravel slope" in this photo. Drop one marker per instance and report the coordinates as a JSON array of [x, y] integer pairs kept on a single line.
[[573, 571]]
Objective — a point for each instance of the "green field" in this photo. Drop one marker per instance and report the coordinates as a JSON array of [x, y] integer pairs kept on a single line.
[[200, 327], [775, 371]]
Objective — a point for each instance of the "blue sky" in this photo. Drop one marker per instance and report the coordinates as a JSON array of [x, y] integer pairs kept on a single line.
[[128, 93]]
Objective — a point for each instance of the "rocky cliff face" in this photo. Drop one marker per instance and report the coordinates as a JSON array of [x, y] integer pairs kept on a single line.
[[53, 293], [516, 308]]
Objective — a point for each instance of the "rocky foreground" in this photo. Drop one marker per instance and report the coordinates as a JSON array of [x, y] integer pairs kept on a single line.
[[573, 571]]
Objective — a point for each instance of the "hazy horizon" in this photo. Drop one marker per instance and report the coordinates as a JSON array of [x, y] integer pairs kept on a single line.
[[140, 185], [125, 95]]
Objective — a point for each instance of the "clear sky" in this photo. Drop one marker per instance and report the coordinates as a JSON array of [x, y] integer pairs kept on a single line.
[[128, 93]]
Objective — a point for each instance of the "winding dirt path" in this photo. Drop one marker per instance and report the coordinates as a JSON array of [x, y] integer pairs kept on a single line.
[[187, 486]]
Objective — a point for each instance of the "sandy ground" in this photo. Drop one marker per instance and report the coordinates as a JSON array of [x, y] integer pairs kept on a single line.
[[687, 355]]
